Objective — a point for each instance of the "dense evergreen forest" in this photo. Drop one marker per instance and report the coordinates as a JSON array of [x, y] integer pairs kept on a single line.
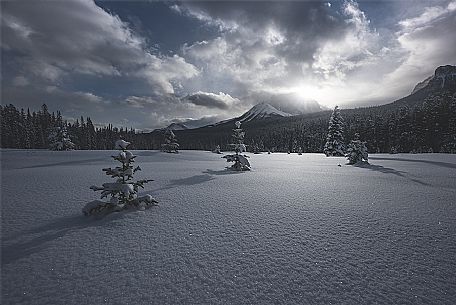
[[428, 126], [22, 129]]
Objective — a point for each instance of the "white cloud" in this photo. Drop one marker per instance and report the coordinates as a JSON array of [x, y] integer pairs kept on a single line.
[[212, 100], [356, 48], [63, 38]]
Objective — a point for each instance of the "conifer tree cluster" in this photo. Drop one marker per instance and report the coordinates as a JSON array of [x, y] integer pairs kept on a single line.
[[171, 145], [335, 145], [124, 191], [240, 161], [25, 129]]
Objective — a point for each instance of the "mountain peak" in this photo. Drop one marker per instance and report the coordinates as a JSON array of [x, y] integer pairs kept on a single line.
[[262, 111], [177, 126]]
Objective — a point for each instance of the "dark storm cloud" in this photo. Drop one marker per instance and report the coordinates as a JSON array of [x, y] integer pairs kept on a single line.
[[212, 100], [305, 24]]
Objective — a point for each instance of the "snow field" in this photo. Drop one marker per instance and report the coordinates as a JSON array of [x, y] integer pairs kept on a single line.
[[294, 230]]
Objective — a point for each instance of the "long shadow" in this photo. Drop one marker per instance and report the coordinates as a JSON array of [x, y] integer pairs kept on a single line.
[[76, 162], [197, 179], [41, 235], [208, 175], [222, 172], [146, 153], [387, 170], [193, 180], [438, 163]]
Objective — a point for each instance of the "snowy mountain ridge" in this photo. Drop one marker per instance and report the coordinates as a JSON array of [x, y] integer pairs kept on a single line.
[[174, 126], [259, 111]]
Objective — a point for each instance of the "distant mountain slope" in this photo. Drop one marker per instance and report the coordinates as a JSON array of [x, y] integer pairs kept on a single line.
[[173, 126]]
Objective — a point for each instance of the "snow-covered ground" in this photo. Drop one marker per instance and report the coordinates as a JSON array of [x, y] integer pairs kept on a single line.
[[294, 230]]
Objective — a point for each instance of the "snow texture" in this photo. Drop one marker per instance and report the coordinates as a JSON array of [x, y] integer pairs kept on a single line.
[[294, 230]]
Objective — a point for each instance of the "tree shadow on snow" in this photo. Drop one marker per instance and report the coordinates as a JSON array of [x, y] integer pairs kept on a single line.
[[76, 162], [222, 172], [146, 153], [193, 180], [438, 163], [36, 239], [387, 170]]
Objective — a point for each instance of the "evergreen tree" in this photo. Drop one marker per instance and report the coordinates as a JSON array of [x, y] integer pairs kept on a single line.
[[217, 150], [240, 161], [334, 145], [256, 149], [59, 139], [357, 151], [171, 145], [123, 192]]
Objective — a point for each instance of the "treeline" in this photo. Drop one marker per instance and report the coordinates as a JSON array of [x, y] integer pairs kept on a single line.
[[25, 129], [429, 126]]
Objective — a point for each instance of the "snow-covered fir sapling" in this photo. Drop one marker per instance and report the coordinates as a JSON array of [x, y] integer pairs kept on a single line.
[[256, 149], [334, 145], [171, 145], [299, 150], [124, 191], [217, 150], [240, 161], [60, 140], [357, 151]]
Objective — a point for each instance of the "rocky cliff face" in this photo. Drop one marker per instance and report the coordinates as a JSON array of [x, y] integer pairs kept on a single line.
[[443, 78]]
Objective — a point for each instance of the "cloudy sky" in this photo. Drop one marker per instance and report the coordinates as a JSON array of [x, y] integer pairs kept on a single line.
[[145, 64]]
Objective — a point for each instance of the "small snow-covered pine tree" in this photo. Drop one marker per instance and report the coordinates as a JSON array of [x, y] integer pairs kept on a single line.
[[334, 145], [59, 139], [357, 151], [240, 161], [124, 191], [171, 145], [256, 149], [299, 150], [217, 150]]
